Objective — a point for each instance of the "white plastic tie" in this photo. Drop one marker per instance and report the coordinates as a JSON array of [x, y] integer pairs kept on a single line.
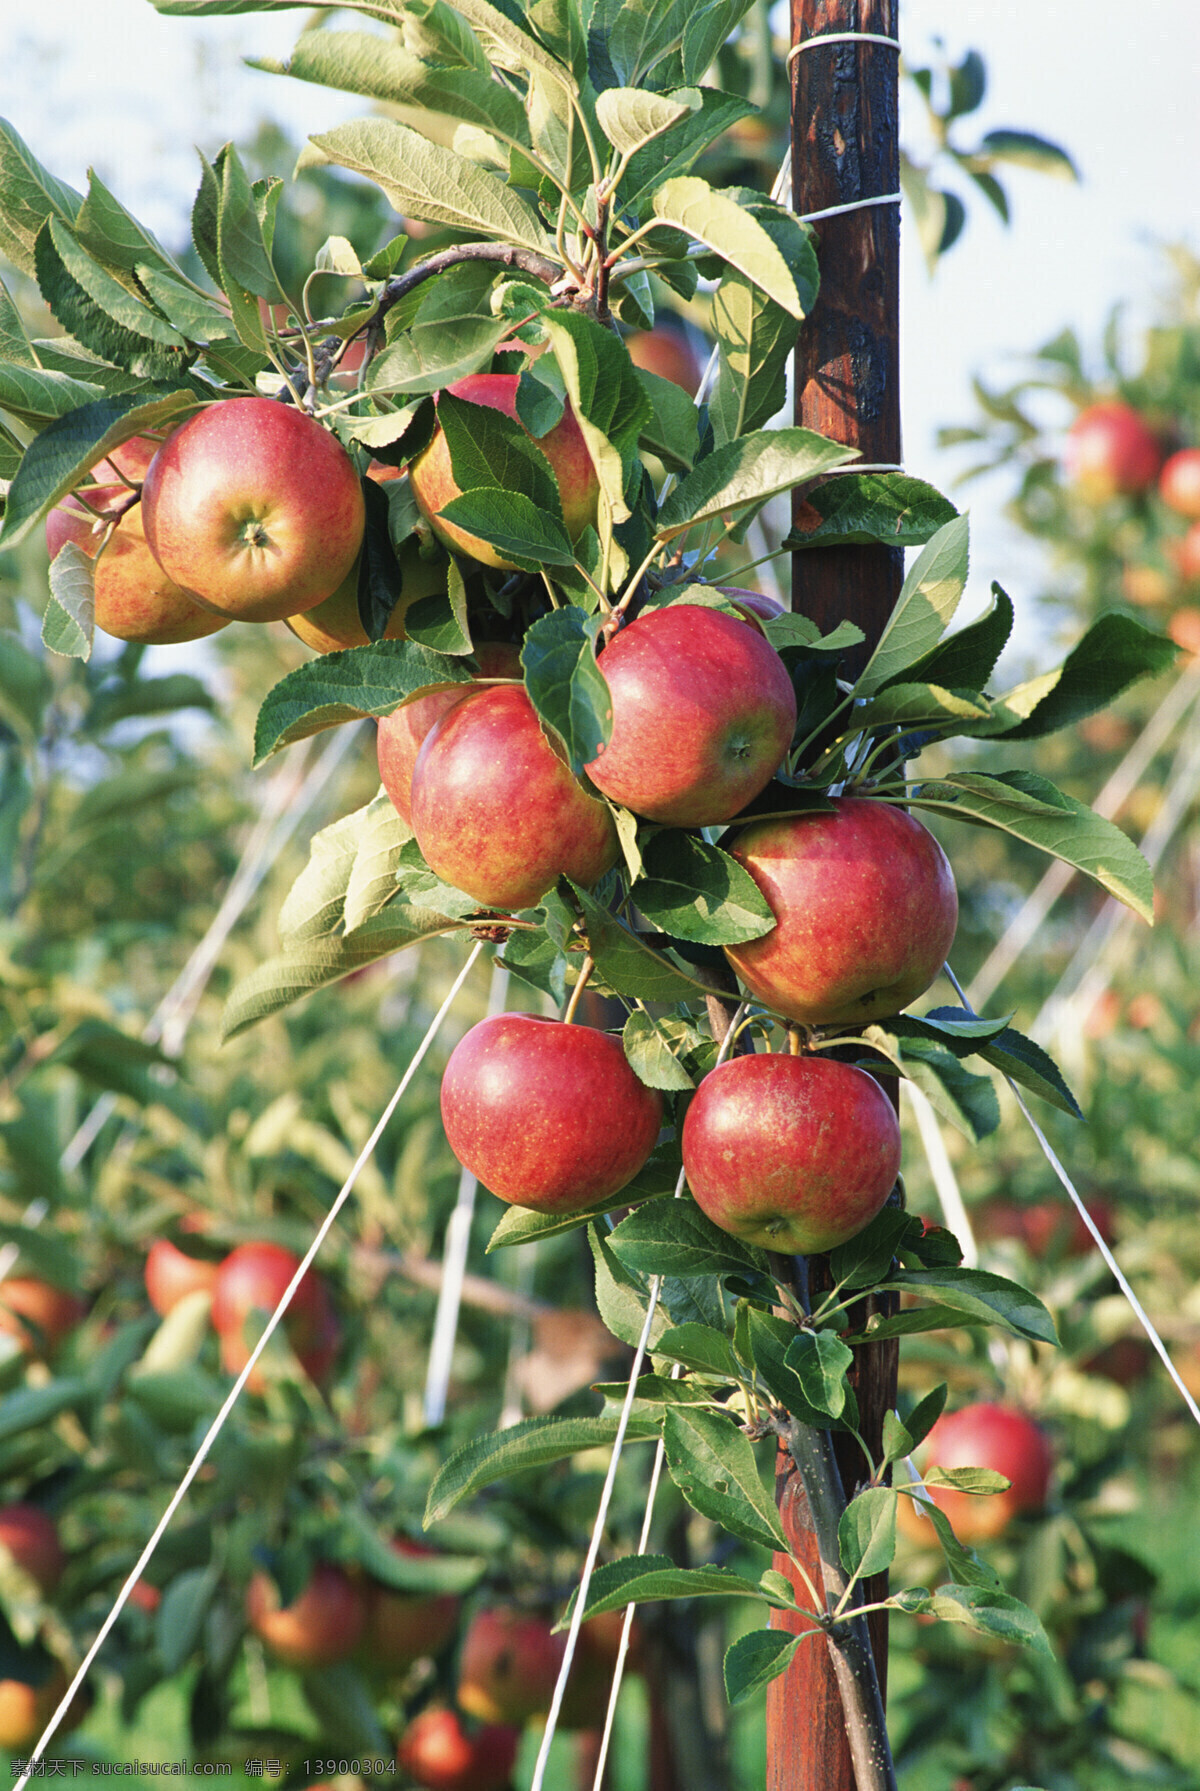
[[840, 37]]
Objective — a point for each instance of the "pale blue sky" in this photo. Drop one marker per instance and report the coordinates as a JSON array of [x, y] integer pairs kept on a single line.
[[114, 83]]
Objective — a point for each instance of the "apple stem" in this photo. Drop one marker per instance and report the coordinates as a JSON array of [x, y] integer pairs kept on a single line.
[[848, 1637], [589, 964]]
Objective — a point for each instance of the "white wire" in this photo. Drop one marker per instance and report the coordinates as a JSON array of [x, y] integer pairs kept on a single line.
[[272, 1325], [942, 1170], [1110, 1260], [585, 1580], [454, 1257]]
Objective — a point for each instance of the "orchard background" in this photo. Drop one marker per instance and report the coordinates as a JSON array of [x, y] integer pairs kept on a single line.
[[129, 812]]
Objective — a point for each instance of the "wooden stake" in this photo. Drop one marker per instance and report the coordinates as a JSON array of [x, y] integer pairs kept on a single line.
[[845, 148]]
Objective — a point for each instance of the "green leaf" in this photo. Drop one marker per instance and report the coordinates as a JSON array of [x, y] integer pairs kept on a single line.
[[381, 68], [313, 907], [920, 705], [609, 400], [978, 1481], [565, 684], [987, 1297], [1033, 810], [967, 1568], [756, 337], [673, 1237], [56, 460], [892, 509], [424, 889], [194, 317], [820, 1361], [648, 1049], [519, 1225], [993, 1613], [866, 1259], [101, 313], [673, 430], [372, 882], [1027, 150], [924, 1416], [674, 153], [700, 1347], [967, 1100], [28, 196], [627, 963], [966, 660], [36, 395], [1025, 1062], [715, 1468], [33, 1408], [747, 472], [867, 1531], [15, 347], [514, 524], [1115, 652], [114, 236], [771, 1338], [630, 117], [313, 963], [732, 232], [179, 1619], [697, 892], [433, 353], [425, 180], [70, 615], [622, 1297], [755, 1659], [643, 1579], [242, 247], [927, 601], [534, 1443], [339, 687]]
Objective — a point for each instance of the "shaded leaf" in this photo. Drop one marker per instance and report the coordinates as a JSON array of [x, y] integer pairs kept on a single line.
[[927, 601], [338, 687], [715, 1468], [747, 472], [697, 892], [534, 1443], [890, 508], [755, 1659], [642, 1579]]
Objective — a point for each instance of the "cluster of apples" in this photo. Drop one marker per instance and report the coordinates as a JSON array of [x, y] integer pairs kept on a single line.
[[1111, 452], [250, 511], [243, 1290], [792, 1153]]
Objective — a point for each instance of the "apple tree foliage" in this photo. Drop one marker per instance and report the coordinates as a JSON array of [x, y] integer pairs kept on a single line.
[[566, 201]]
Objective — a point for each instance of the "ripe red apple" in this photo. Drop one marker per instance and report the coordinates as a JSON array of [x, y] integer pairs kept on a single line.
[[38, 1314], [254, 509], [1179, 483], [1111, 451], [703, 713], [509, 1665], [171, 1274], [985, 1436], [135, 600], [668, 353], [402, 733], [336, 624], [401, 1627], [794, 1154], [250, 1283], [434, 485], [31, 1538], [495, 810], [439, 1753], [321, 1626], [547, 1116], [1048, 1228], [865, 909]]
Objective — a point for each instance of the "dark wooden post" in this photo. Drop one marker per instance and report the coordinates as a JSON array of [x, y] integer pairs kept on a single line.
[[845, 148]]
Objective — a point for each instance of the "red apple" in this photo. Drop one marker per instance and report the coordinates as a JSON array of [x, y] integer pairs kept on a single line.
[[135, 600], [31, 1538], [438, 1753], [250, 1283], [865, 909], [1179, 483], [668, 353], [321, 1626], [401, 1627], [794, 1154], [703, 713], [37, 1313], [336, 624], [130, 462], [254, 509], [1111, 451], [495, 810], [171, 1274], [547, 1116], [509, 1665], [434, 485], [402, 733], [987, 1436]]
